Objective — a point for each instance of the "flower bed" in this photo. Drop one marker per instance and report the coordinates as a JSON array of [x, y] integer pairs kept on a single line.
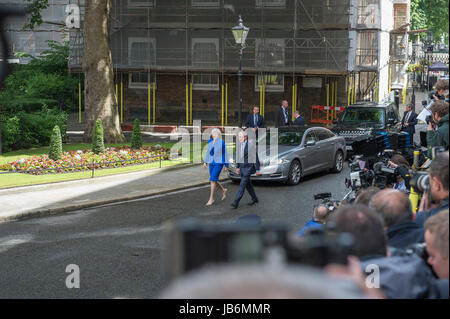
[[83, 160]]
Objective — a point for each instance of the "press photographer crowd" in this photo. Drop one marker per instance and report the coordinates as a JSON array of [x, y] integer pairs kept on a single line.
[[388, 237]]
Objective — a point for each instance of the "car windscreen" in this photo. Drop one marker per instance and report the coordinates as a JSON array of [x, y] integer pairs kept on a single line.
[[363, 115], [290, 138]]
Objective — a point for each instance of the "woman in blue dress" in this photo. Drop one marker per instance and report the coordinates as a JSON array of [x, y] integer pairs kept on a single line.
[[217, 158]]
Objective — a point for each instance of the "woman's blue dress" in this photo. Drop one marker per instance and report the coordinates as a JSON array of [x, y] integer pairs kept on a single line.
[[216, 157]]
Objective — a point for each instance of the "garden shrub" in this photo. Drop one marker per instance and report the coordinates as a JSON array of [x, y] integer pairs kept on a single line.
[[55, 152], [98, 144], [136, 137]]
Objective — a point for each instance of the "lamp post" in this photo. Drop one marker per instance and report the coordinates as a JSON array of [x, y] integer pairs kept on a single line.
[[428, 48], [413, 58], [240, 33]]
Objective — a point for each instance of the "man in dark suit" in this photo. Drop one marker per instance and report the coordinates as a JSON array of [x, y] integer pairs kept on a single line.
[[299, 120], [282, 116], [255, 121], [247, 163], [409, 122]]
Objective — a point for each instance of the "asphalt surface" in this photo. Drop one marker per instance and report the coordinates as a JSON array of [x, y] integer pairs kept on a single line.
[[118, 247]]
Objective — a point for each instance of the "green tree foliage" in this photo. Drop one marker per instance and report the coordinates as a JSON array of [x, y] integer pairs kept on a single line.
[[430, 14], [136, 137], [98, 144], [55, 144], [23, 130], [34, 10]]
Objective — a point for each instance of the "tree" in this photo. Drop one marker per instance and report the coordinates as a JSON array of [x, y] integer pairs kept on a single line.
[[98, 145], [100, 101], [136, 137], [430, 14], [55, 144]]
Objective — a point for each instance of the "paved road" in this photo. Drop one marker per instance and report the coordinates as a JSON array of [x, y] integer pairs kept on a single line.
[[118, 248]]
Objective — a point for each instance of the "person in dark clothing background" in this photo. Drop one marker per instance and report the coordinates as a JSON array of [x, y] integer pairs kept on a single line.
[[363, 223], [409, 122], [299, 120], [255, 121], [282, 117], [395, 209]]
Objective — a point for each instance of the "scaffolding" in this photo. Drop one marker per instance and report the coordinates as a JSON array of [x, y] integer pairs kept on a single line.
[[192, 39]]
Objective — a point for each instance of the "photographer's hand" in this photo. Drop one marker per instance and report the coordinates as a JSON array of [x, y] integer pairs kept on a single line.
[[424, 205]]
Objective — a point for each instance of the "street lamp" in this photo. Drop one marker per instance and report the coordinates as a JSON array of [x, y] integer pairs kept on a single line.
[[428, 48], [415, 45], [240, 33]]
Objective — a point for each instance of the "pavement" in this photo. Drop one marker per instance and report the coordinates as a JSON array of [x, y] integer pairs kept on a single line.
[[48, 199]]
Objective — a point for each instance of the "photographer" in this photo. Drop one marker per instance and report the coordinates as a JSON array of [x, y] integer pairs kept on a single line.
[[402, 167], [318, 220], [395, 209], [439, 90], [436, 239], [438, 179], [438, 136]]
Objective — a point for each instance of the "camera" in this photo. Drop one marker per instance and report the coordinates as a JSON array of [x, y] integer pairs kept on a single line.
[[429, 119], [432, 94], [190, 244], [329, 203], [420, 181]]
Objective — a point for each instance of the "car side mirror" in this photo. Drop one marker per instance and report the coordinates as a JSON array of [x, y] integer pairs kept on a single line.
[[310, 143], [424, 103]]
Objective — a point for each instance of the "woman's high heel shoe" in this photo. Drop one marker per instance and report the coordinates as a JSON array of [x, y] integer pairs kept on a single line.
[[209, 204]]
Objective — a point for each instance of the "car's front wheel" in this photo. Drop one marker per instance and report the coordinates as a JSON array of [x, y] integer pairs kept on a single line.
[[295, 173], [338, 162]]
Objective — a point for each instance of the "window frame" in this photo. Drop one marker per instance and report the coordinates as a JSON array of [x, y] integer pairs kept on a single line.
[[195, 41], [205, 87], [269, 88], [140, 85], [210, 4], [150, 4], [267, 41], [132, 40], [263, 4]]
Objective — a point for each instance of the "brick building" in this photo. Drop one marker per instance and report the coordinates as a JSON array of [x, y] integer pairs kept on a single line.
[[176, 61]]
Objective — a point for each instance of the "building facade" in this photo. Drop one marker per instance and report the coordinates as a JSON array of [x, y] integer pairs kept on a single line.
[[176, 61]]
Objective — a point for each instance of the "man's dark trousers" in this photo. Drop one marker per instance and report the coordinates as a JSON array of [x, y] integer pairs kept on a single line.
[[246, 170]]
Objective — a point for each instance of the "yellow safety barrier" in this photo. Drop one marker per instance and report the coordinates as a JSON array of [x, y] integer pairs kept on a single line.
[[149, 106], [154, 102]]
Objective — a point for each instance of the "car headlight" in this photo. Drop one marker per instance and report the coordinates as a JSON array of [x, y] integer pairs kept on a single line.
[[278, 161]]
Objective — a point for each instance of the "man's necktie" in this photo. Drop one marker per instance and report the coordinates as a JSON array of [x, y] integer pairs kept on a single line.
[[255, 119], [407, 117]]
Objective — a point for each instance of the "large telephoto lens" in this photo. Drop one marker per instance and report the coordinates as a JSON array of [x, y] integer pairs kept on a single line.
[[420, 182]]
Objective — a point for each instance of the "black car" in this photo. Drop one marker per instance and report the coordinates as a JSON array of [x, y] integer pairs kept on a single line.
[[366, 118]]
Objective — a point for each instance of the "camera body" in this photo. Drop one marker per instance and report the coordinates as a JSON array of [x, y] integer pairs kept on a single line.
[[329, 203], [191, 244], [420, 181]]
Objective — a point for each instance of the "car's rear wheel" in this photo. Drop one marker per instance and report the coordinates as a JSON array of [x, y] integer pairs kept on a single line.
[[338, 162], [295, 173]]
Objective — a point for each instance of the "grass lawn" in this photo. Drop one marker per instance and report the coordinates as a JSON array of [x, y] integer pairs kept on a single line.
[[21, 179]]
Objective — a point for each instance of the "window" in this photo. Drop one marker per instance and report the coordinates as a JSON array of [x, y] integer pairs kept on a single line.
[[206, 3], [400, 15], [270, 3], [140, 3], [310, 137], [272, 82], [367, 49], [141, 51], [368, 12], [140, 80], [205, 53], [269, 52], [206, 82], [323, 134]]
